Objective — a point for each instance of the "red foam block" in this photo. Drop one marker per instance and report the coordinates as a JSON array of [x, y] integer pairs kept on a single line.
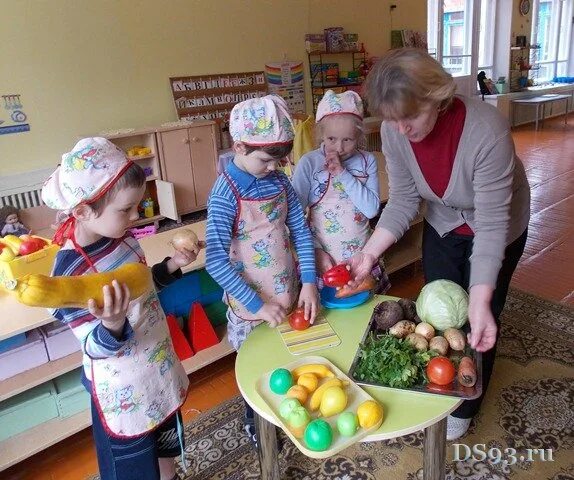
[[201, 332], [180, 344]]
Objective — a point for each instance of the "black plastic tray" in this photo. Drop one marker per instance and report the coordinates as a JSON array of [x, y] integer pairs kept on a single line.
[[452, 390]]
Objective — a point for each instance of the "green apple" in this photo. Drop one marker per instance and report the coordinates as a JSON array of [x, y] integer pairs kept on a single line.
[[280, 381], [318, 435], [297, 420], [347, 424], [287, 406]]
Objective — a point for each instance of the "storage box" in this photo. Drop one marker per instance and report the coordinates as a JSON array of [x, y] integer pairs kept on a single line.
[[71, 396], [30, 355], [351, 42], [335, 39], [59, 339], [37, 262], [27, 410], [315, 43]]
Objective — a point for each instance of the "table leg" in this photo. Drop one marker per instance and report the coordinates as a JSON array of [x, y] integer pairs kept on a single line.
[[267, 448], [434, 451]]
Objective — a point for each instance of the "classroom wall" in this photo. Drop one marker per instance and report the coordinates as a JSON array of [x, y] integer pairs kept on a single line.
[[83, 66]]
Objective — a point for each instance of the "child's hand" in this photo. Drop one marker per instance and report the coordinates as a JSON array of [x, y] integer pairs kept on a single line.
[[272, 313], [323, 261], [333, 163], [309, 299], [183, 257], [116, 303]]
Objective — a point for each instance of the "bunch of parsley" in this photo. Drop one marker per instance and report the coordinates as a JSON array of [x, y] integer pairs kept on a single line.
[[391, 362]]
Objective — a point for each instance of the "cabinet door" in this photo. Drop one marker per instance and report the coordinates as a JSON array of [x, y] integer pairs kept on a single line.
[[178, 169], [204, 159], [166, 199]]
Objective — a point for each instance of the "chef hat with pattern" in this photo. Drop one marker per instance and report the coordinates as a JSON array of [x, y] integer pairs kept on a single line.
[[338, 103], [85, 174], [262, 121]]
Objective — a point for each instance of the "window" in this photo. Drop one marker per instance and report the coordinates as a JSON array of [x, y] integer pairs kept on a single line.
[[551, 29], [486, 37]]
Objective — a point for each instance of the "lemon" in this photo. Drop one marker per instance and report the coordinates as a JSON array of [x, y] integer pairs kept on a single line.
[[370, 413]]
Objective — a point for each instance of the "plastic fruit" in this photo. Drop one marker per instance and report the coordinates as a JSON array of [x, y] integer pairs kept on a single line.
[[13, 242], [309, 381], [298, 420], [280, 381], [298, 321], [315, 401], [333, 401], [7, 254], [318, 435], [29, 246], [337, 276], [287, 406], [320, 370], [347, 424], [370, 413], [298, 392]]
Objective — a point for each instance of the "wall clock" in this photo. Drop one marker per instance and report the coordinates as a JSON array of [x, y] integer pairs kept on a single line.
[[524, 7]]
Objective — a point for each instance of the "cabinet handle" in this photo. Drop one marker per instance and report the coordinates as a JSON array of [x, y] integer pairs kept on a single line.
[[195, 139], [186, 140]]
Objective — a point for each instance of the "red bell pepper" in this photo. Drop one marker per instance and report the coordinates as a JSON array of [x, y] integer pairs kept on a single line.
[[337, 276]]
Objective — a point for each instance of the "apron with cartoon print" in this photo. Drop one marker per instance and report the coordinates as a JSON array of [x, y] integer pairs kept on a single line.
[[337, 223], [261, 254], [144, 383]]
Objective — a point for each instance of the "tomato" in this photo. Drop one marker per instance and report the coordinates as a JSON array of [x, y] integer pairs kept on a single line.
[[297, 320], [440, 371], [337, 277]]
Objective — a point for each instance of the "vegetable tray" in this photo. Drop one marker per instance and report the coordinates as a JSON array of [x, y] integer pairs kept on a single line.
[[453, 389], [355, 396]]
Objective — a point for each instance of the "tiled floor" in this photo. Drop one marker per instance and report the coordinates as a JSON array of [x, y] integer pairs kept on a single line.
[[547, 269]]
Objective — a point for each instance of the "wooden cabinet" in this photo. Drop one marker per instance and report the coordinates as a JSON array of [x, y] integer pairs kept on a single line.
[[141, 147], [188, 156]]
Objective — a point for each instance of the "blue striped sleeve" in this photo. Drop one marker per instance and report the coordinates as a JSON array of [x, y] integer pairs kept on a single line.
[[300, 235], [221, 213]]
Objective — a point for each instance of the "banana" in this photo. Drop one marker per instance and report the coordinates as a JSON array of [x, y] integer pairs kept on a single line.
[[315, 401], [318, 369], [7, 255], [13, 243]]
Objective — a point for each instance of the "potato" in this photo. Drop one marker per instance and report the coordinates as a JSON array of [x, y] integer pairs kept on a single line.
[[439, 344], [402, 329], [419, 342], [455, 339], [425, 329], [186, 238]]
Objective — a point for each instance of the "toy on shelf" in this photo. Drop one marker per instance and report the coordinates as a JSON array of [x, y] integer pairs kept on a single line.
[[201, 333], [148, 205], [180, 344], [138, 151], [10, 222], [143, 231]]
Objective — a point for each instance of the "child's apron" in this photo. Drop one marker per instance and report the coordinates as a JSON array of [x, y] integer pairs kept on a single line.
[[261, 253], [337, 223]]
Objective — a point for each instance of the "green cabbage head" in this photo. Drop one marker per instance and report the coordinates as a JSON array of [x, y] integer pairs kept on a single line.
[[443, 304]]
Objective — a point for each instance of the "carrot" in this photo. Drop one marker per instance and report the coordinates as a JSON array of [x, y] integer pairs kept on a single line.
[[346, 291], [466, 372]]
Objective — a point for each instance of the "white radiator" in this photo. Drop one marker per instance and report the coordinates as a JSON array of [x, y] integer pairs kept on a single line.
[[23, 190]]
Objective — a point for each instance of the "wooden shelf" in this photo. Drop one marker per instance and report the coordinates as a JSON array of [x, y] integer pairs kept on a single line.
[[141, 157], [151, 178], [147, 221], [211, 354], [31, 378], [407, 250], [22, 446]]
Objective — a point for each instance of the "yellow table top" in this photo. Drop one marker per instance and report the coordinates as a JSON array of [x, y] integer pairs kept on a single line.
[[404, 411], [18, 318]]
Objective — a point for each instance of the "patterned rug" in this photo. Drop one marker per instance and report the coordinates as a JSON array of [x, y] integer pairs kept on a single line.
[[530, 404]]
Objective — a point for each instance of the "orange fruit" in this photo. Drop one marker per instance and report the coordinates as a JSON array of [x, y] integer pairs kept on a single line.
[[299, 392], [309, 381]]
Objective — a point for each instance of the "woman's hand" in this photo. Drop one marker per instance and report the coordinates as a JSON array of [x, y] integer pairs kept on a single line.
[[309, 299], [360, 266], [116, 302], [333, 163], [482, 336], [323, 261]]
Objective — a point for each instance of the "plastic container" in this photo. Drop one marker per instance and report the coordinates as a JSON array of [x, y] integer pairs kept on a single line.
[[25, 357], [37, 262], [59, 339], [27, 410], [71, 396]]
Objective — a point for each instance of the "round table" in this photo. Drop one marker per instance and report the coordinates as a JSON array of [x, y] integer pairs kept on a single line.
[[404, 411]]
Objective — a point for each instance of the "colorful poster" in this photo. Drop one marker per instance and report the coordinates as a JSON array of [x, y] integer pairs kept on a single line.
[[12, 116], [286, 79]]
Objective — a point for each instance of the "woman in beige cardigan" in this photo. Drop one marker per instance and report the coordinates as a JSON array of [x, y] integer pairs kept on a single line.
[[456, 154]]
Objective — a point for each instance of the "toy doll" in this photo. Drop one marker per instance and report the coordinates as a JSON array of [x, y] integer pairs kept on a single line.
[[10, 222]]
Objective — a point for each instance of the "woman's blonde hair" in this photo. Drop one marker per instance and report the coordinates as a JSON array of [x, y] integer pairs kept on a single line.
[[404, 81]]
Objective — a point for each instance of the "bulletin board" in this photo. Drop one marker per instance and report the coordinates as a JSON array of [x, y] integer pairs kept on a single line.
[[286, 80], [211, 97]]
